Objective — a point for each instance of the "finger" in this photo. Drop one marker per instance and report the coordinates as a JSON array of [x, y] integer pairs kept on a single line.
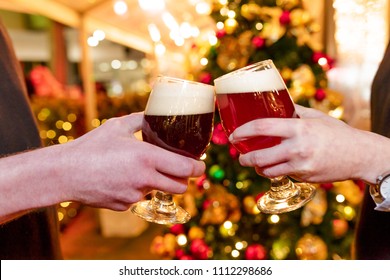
[[308, 113], [134, 121], [170, 184], [265, 157], [176, 165], [272, 171], [280, 127]]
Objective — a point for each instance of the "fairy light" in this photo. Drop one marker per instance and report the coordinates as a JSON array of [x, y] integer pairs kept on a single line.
[[152, 5], [181, 239], [235, 253], [204, 61], [120, 7], [340, 198], [239, 245], [274, 219], [154, 32], [227, 224], [203, 8]]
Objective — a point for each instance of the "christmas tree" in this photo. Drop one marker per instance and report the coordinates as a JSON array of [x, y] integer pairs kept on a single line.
[[226, 223]]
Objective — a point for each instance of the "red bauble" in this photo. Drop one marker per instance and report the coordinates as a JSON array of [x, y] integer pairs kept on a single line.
[[285, 18], [177, 229], [320, 94], [255, 252], [258, 42], [199, 249], [220, 33], [205, 78], [219, 137], [234, 153], [326, 186]]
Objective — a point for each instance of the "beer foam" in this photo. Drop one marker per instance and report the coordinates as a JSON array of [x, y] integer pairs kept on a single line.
[[180, 99], [249, 81]]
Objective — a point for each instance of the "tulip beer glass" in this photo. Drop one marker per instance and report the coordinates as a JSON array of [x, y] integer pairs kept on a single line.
[[253, 92], [179, 117]]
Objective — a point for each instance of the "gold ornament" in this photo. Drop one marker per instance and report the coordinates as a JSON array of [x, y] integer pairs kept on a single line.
[[314, 211], [350, 191], [250, 11], [287, 4], [311, 247], [223, 206], [164, 246], [286, 73], [230, 25], [196, 233], [231, 56], [250, 205]]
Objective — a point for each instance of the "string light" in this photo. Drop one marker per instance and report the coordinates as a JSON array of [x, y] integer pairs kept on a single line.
[[120, 7]]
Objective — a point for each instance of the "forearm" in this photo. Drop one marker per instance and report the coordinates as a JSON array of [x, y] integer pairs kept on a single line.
[[30, 180]]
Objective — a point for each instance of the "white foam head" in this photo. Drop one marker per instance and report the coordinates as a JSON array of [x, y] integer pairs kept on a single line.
[[249, 81], [171, 96]]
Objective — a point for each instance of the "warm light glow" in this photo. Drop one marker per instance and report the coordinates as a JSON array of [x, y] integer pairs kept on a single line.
[[204, 61], [203, 8], [152, 5], [337, 113], [64, 204], [239, 245], [228, 224], [154, 32], [159, 49], [274, 219], [235, 253], [231, 14], [95, 123], [340, 198], [181, 239], [220, 25], [92, 41], [116, 64], [170, 21], [99, 34], [213, 40], [66, 126], [120, 7]]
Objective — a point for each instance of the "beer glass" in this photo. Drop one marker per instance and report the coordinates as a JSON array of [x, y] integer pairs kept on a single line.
[[179, 116], [253, 92]]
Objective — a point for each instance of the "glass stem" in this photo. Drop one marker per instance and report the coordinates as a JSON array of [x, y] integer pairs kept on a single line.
[[282, 188], [163, 203]]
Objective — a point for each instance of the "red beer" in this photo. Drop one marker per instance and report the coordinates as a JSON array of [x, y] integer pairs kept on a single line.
[[244, 97]]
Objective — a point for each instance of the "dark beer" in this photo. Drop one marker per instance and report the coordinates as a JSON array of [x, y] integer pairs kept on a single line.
[[188, 135], [246, 96], [180, 117]]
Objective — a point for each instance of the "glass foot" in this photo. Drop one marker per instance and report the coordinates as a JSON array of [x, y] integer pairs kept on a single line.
[[303, 193], [145, 210]]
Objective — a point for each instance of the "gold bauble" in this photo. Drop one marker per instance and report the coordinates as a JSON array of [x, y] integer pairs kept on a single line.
[[314, 211], [250, 11], [311, 247], [286, 73], [299, 17], [230, 25], [196, 233], [287, 4]]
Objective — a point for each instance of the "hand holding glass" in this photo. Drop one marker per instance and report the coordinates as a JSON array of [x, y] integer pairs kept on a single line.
[[179, 117], [253, 92]]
